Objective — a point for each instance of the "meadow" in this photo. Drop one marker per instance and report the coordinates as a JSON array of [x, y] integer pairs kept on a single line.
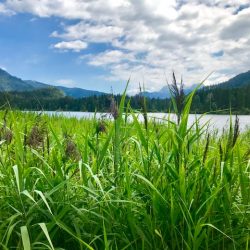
[[99, 184]]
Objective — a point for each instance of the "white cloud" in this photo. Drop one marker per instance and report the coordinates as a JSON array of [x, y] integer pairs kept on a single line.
[[91, 33], [238, 27], [110, 57], [66, 82], [70, 9], [150, 38], [76, 45], [5, 11]]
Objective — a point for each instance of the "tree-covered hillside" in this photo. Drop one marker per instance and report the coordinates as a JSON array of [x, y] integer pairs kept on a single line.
[[11, 83], [238, 81], [232, 95], [218, 99], [215, 100]]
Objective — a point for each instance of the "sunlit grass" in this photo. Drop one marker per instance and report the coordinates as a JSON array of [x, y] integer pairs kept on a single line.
[[90, 184]]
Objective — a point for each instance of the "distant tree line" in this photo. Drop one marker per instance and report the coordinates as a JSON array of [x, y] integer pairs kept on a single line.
[[216, 99], [205, 100]]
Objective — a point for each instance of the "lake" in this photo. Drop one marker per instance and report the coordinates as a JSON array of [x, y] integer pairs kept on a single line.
[[219, 122]]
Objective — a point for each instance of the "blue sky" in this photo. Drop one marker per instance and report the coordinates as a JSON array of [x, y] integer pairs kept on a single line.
[[99, 44], [26, 49]]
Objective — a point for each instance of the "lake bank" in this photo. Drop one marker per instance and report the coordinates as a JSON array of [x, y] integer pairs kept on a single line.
[[219, 122]]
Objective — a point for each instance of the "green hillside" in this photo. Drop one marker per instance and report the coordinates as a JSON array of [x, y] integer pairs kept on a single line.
[[216, 99], [238, 81], [11, 83], [79, 92]]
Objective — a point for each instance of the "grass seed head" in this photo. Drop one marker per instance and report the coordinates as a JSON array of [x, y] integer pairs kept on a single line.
[[101, 127], [71, 150], [114, 109], [206, 148], [36, 136], [6, 133], [8, 136], [236, 130], [178, 95]]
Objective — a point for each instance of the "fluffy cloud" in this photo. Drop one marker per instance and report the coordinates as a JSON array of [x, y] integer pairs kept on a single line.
[[76, 45], [91, 33], [110, 57], [238, 27], [147, 39], [5, 11]]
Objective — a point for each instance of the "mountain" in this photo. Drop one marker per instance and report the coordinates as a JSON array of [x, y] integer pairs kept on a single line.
[[78, 92], [37, 85], [238, 81], [12, 83], [36, 99], [164, 92]]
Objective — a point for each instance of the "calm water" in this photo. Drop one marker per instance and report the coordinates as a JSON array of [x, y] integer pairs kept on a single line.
[[214, 121]]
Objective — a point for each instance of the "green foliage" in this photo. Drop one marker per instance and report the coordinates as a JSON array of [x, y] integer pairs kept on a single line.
[[232, 95], [90, 184], [217, 100]]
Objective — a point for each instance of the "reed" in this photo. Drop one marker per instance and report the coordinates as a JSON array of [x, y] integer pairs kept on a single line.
[[122, 185]]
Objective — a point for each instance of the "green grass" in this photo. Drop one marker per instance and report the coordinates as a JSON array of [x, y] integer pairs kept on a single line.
[[89, 184]]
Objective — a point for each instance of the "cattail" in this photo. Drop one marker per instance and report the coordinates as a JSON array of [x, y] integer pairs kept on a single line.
[[114, 109]]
